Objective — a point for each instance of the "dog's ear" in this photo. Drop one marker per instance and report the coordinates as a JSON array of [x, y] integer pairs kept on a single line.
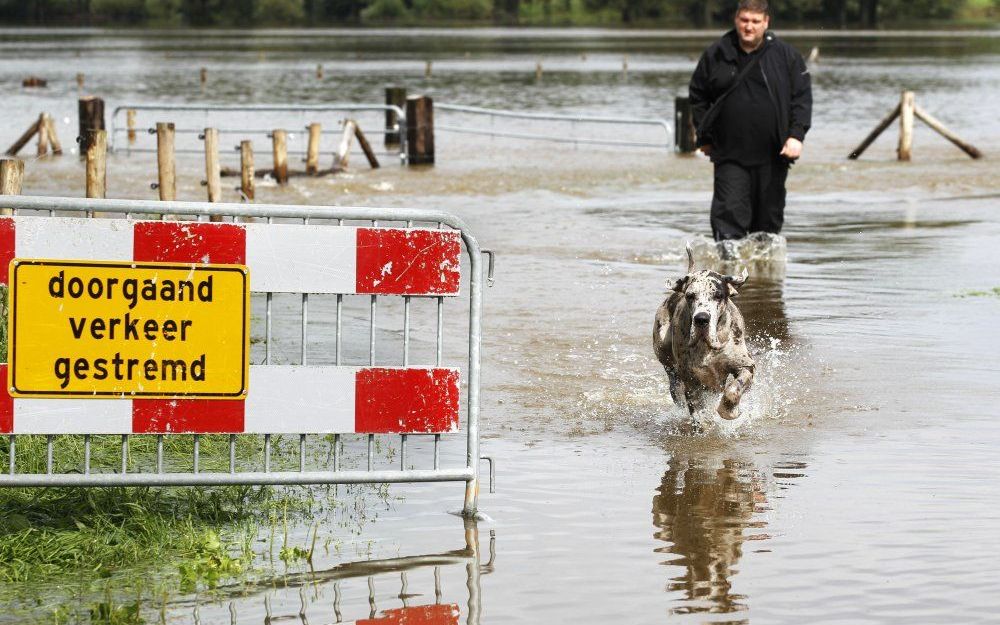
[[681, 284], [735, 283], [690, 254]]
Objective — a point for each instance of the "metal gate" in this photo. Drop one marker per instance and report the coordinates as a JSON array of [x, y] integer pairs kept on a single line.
[[294, 253]]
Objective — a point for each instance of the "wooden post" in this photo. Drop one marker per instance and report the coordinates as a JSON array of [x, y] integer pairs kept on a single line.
[[366, 147], [684, 132], [203, 76], [905, 126], [167, 184], [625, 66], [130, 122], [312, 149], [53, 137], [394, 96], [344, 149], [931, 121], [23, 140], [420, 130], [97, 149], [879, 129], [79, 81], [43, 135], [279, 144], [428, 69], [11, 175], [538, 71], [91, 115], [246, 170], [213, 170], [319, 72]]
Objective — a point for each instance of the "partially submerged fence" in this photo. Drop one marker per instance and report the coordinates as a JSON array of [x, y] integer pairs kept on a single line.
[[233, 122], [546, 124], [341, 253]]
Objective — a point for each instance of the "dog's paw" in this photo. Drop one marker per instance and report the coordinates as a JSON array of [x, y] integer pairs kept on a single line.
[[728, 411]]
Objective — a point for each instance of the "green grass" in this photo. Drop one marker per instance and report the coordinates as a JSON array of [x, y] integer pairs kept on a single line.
[[994, 292]]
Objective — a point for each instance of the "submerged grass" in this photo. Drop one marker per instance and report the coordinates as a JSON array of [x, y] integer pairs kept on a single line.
[[994, 292]]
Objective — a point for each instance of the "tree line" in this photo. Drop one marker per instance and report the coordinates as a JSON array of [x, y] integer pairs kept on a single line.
[[671, 13]]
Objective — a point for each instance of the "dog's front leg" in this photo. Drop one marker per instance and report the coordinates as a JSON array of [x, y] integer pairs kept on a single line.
[[736, 386]]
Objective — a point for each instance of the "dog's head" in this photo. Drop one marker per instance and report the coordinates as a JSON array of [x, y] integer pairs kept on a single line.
[[706, 295]]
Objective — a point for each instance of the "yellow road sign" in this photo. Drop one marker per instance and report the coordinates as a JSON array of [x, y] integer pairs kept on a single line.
[[128, 329]]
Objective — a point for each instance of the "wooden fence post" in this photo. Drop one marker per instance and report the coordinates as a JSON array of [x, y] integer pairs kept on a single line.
[[23, 139], [684, 132], [130, 122], [420, 130], [933, 122], [43, 135], [213, 170], [97, 149], [91, 115], [905, 126], [79, 81], [312, 149], [167, 184], [54, 143], [394, 96], [246, 170], [366, 147], [11, 175], [343, 153], [279, 148]]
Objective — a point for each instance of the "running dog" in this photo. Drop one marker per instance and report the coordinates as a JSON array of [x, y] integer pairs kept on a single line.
[[700, 339]]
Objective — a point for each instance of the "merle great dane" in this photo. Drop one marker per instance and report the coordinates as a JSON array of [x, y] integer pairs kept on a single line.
[[700, 338]]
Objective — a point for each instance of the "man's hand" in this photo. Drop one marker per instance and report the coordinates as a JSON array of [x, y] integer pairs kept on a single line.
[[706, 149], [793, 149]]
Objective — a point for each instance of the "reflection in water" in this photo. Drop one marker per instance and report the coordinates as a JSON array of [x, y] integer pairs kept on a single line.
[[701, 512], [309, 592]]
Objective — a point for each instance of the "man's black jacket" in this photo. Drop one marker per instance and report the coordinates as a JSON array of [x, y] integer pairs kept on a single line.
[[785, 73]]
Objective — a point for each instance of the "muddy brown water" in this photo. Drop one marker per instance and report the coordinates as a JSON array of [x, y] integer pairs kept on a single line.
[[861, 486]]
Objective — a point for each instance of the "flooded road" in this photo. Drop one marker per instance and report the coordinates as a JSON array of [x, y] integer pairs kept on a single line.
[[861, 486]]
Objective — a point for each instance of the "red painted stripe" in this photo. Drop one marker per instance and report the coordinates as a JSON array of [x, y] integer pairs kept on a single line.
[[6, 247], [439, 614], [394, 261], [187, 242], [6, 403], [165, 241], [404, 401], [187, 416]]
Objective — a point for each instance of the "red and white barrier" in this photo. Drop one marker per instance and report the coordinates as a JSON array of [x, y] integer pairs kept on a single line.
[[282, 258]]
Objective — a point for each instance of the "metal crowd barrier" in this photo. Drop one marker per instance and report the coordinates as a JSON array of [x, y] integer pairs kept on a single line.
[[117, 127], [304, 233], [493, 114]]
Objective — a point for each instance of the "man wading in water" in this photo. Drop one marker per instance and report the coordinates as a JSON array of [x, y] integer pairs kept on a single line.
[[751, 97]]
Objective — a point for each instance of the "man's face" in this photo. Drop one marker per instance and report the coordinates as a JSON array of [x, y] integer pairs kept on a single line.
[[751, 25]]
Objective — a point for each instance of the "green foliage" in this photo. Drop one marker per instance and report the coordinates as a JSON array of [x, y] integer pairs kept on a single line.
[[279, 12], [453, 10], [994, 292], [386, 11]]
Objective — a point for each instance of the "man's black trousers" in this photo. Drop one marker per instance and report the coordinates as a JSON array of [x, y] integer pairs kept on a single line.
[[748, 199]]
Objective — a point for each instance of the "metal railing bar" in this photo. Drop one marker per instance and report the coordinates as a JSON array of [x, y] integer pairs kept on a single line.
[[597, 119], [336, 601], [551, 138], [437, 584], [86, 454], [336, 452], [402, 452], [371, 450], [267, 328], [197, 453], [371, 596], [159, 453], [302, 452], [437, 451], [48, 454], [406, 330], [403, 594], [371, 347], [124, 454], [12, 446], [232, 453], [305, 325]]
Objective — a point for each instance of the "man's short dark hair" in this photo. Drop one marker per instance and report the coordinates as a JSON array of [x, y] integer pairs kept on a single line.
[[754, 6]]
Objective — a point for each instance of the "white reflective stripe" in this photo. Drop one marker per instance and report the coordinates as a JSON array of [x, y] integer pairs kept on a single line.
[[295, 399], [72, 416], [73, 238], [289, 258]]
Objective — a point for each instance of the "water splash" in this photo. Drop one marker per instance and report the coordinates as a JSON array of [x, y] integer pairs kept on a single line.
[[762, 253]]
